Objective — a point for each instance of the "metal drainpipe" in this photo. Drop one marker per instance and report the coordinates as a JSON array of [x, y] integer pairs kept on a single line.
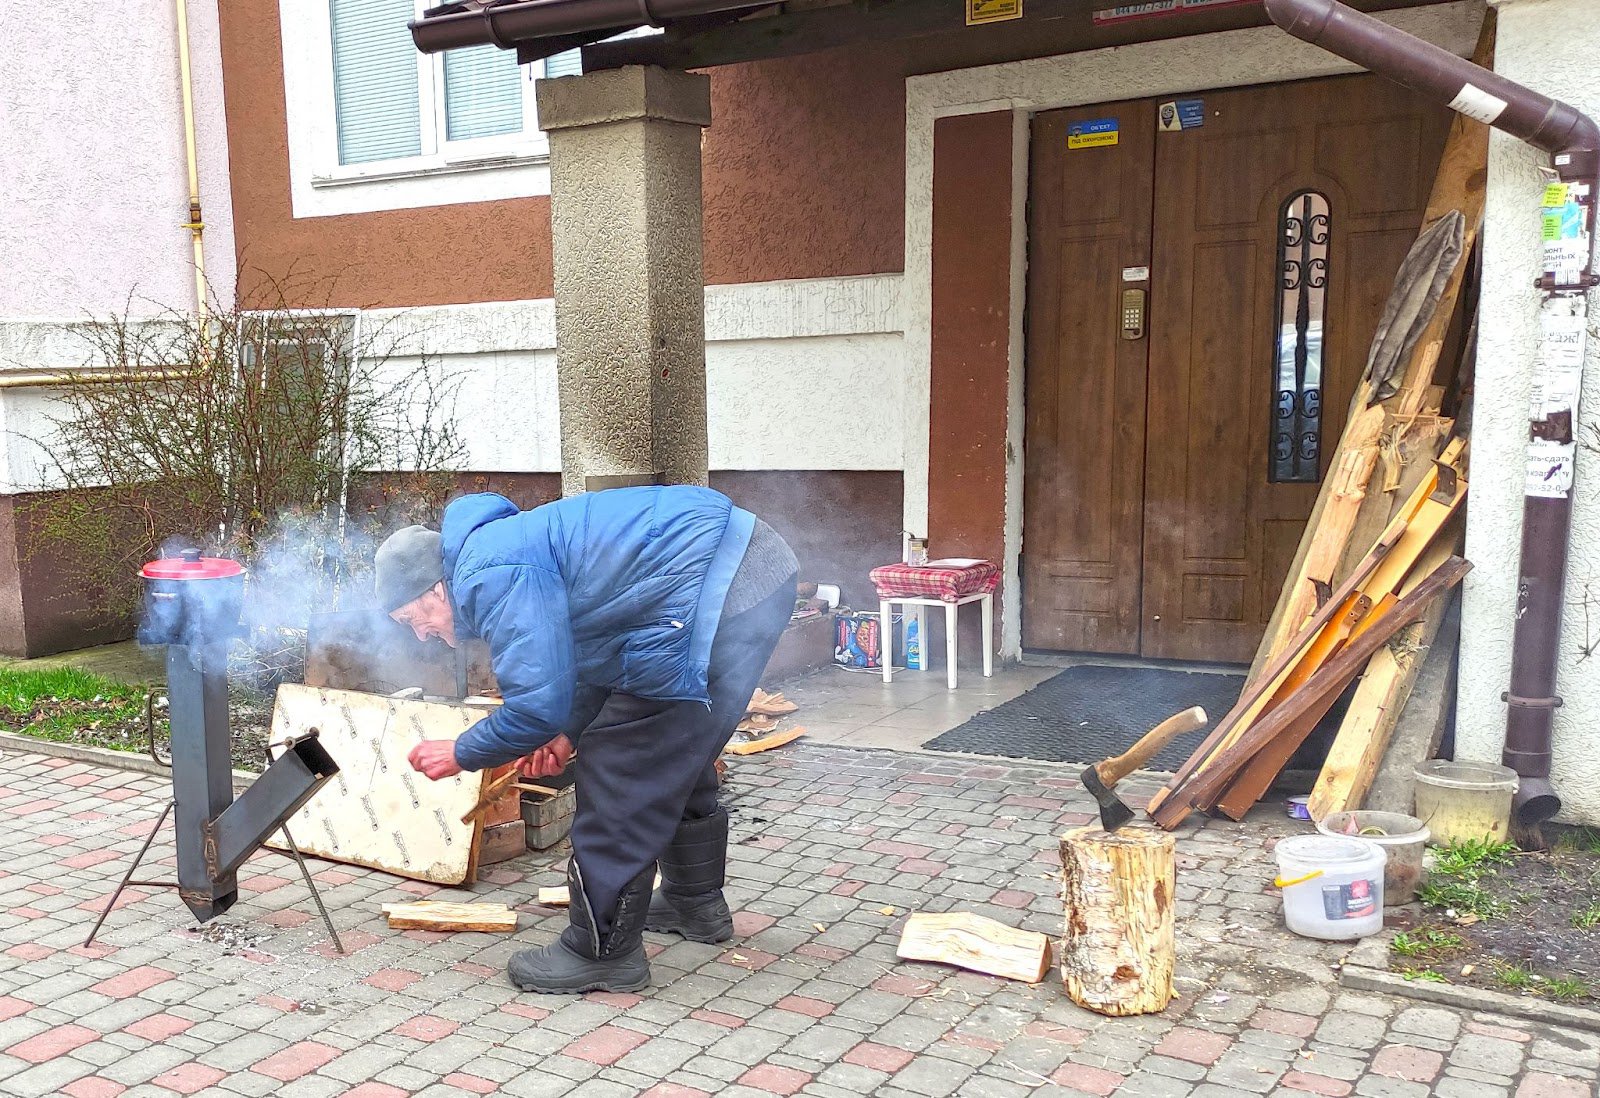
[[1573, 139], [195, 224]]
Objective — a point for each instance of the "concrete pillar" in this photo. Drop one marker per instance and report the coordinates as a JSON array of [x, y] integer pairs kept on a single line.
[[630, 300]]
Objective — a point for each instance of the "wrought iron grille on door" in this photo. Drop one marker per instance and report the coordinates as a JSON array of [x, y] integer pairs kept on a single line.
[[1305, 223]]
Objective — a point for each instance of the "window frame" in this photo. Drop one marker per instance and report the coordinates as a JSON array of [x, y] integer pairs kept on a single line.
[[483, 169]]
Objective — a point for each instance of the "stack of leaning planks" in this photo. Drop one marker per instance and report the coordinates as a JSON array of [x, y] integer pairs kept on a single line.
[[1371, 580]]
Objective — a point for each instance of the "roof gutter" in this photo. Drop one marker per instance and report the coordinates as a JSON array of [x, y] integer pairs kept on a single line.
[[1573, 140], [507, 23]]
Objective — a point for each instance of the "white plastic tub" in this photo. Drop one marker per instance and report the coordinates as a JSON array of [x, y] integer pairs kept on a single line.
[[1332, 886], [1401, 837]]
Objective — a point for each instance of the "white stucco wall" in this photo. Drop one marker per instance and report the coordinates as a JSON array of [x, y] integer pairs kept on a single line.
[[803, 374], [1551, 46], [92, 159]]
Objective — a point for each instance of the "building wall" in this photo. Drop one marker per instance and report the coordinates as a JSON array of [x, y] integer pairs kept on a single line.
[[788, 138], [94, 178], [95, 199], [1549, 45]]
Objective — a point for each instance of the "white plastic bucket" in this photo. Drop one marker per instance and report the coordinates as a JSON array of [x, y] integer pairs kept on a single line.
[[1332, 886], [1400, 836]]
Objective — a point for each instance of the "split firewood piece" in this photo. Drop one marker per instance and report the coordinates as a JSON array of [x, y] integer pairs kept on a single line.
[[561, 896], [770, 705], [1119, 950], [766, 743], [439, 915], [757, 724], [973, 942]]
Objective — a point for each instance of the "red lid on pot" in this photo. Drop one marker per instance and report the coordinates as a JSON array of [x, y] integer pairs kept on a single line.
[[190, 565]]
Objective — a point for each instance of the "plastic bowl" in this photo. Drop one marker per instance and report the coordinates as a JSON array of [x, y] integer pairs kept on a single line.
[[1400, 835]]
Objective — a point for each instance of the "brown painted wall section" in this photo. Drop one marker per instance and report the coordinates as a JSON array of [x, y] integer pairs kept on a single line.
[[805, 167], [804, 178], [971, 328]]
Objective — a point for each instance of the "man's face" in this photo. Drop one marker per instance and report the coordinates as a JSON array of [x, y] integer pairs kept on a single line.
[[429, 615]]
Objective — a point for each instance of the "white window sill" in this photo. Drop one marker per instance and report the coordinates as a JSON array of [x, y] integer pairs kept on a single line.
[[428, 168]]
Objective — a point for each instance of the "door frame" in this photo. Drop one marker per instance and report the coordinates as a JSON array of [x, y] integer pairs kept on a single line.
[[1228, 59]]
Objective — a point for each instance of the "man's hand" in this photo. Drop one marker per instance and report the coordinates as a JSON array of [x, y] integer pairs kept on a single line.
[[549, 760], [435, 758]]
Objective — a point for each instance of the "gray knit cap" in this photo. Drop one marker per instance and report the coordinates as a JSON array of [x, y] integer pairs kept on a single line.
[[408, 563]]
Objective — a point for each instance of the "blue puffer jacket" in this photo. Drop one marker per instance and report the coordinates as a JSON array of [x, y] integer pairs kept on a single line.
[[620, 589]]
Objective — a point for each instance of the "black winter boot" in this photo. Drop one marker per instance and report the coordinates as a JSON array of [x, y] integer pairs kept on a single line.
[[690, 900], [579, 961]]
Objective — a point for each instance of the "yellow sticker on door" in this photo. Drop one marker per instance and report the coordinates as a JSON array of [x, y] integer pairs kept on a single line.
[[1092, 134]]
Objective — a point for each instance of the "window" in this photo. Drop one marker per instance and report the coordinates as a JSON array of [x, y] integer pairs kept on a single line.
[[392, 103], [1304, 226]]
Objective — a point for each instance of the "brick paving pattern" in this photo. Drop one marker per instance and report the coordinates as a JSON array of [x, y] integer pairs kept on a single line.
[[833, 847]]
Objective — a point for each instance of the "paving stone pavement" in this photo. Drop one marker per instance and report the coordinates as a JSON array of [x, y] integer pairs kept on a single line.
[[832, 848]]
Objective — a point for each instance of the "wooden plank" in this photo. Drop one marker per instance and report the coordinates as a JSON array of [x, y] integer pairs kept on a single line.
[[1364, 734], [765, 743], [973, 942], [1346, 487], [1421, 723], [1460, 184], [555, 896], [438, 915], [1320, 690], [378, 812], [1120, 947]]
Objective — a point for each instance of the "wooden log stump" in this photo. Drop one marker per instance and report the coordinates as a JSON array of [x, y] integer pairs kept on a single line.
[[1118, 953]]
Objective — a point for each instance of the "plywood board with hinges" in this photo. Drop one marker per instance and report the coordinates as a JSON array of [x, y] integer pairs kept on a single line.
[[377, 811]]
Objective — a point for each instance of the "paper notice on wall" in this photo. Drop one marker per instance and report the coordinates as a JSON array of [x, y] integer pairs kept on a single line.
[[1564, 228], [1553, 402]]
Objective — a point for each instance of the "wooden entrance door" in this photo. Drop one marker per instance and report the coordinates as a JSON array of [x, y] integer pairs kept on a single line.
[[1157, 521]]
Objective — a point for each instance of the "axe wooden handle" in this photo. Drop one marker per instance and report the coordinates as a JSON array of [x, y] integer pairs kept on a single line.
[[1114, 770]]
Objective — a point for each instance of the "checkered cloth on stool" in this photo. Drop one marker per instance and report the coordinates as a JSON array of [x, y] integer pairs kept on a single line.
[[936, 580]]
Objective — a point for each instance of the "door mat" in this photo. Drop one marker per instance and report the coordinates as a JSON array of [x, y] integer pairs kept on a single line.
[[1090, 712]]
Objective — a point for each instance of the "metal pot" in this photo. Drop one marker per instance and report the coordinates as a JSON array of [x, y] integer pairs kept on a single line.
[[191, 599]]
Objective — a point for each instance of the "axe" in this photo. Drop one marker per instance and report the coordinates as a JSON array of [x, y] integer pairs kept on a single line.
[[1102, 776]]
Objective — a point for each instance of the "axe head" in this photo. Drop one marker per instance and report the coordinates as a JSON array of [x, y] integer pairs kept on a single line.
[[1113, 813]]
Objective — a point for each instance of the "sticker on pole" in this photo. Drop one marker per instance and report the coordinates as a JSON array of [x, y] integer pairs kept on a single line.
[[1478, 104], [1092, 134]]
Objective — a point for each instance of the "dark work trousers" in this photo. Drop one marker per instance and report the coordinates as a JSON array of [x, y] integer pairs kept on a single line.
[[643, 765]]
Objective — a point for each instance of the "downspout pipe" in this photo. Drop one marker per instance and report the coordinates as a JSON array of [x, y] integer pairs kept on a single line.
[[505, 23], [1573, 140]]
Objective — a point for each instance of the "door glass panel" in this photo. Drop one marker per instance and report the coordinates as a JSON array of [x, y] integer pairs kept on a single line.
[[1296, 439]]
